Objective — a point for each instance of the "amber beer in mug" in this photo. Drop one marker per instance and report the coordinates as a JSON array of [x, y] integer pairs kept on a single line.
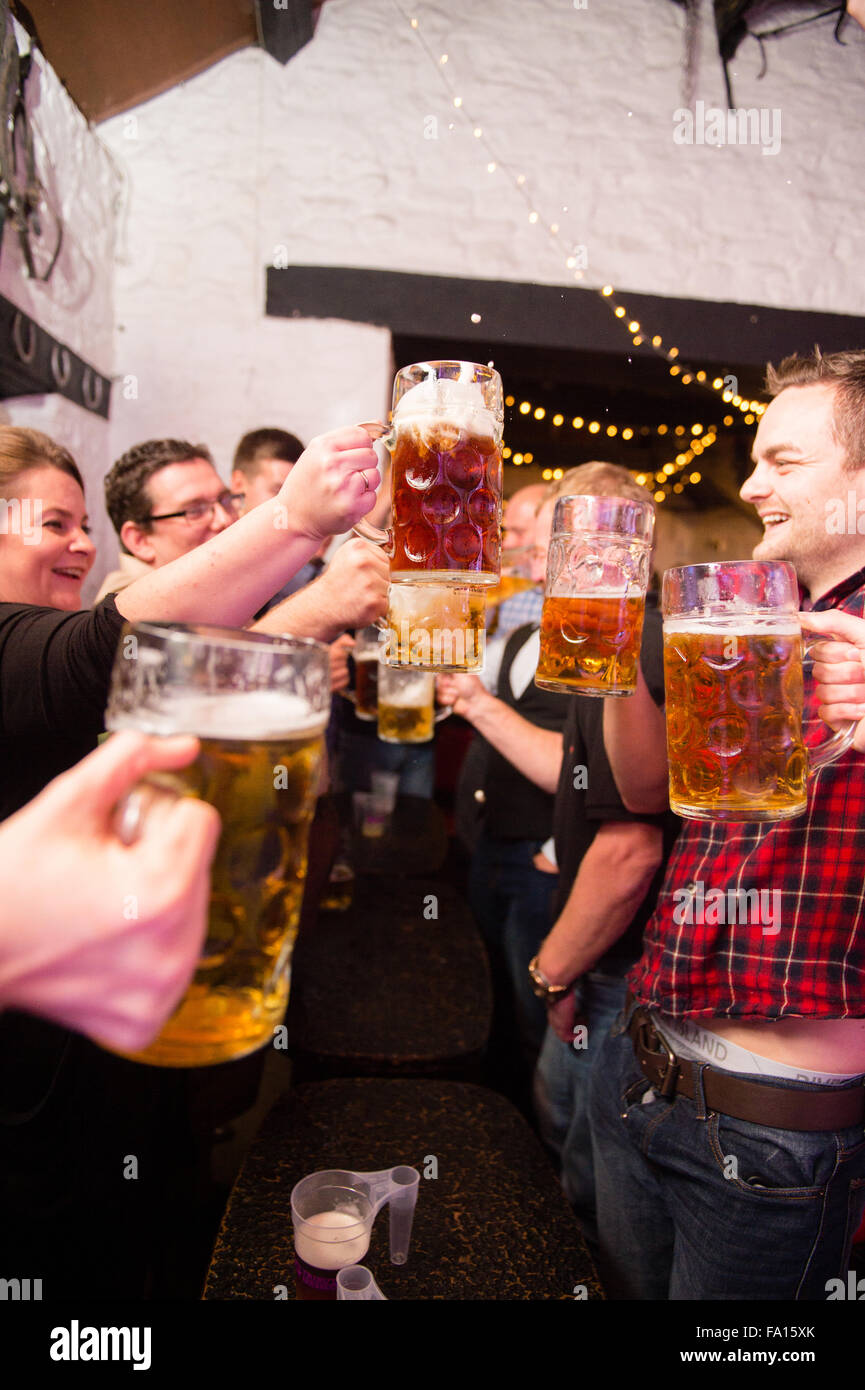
[[367, 650], [598, 566], [366, 687], [446, 474], [259, 706], [438, 627], [406, 702], [733, 653]]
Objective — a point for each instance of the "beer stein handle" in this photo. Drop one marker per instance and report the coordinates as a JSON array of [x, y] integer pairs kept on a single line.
[[376, 431], [399, 1187], [833, 748]]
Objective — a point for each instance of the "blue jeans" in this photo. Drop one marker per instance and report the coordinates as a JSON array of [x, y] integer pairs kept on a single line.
[[696, 1205], [361, 755], [561, 1093], [512, 901]]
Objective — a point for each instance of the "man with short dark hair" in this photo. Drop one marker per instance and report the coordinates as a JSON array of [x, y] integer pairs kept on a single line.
[[262, 461], [164, 498], [728, 1109]]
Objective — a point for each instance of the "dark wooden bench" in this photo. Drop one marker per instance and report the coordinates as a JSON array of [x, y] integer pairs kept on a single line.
[[396, 985], [491, 1220]]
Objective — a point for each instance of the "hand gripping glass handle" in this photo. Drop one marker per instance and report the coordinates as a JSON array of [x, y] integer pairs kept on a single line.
[[833, 748], [377, 433]]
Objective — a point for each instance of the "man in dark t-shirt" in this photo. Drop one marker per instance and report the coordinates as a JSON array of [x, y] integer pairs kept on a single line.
[[611, 865], [510, 894]]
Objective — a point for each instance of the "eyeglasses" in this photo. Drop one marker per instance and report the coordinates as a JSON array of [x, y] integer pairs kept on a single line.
[[230, 502]]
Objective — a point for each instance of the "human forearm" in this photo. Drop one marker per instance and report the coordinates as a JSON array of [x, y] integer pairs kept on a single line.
[[613, 879], [224, 581], [231, 576], [308, 613], [635, 741], [351, 593], [535, 752]]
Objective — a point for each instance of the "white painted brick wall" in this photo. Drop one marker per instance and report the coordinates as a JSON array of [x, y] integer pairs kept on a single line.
[[76, 305], [327, 156]]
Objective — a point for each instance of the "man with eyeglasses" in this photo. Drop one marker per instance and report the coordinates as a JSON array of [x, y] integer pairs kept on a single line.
[[165, 498]]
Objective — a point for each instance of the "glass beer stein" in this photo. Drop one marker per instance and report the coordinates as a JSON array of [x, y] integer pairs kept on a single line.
[[406, 700], [259, 706], [733, 652], [598, 568], [446, 474], [366, 652], [438, 627]]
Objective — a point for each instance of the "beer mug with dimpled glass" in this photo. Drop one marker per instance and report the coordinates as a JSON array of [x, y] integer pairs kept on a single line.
[[733, 652], [259, 706], [406, 705], [598, 568], [446, 507]]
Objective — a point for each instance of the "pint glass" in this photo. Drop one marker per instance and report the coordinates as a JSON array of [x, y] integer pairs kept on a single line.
[[405, 705], [598, 567], [446, 474], [734, 693], [259, 705]]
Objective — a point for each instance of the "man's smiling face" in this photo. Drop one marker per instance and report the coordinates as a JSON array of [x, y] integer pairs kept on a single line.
[[798, 480]]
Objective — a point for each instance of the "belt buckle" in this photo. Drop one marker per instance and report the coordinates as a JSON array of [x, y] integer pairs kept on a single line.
[[666, 1083]]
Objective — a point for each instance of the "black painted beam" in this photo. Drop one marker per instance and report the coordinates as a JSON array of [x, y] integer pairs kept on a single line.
[[553, 316], [284, 26], [34, 363]]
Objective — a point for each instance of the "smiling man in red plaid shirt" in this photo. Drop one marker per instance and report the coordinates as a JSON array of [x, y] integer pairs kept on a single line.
[[728, 1116]]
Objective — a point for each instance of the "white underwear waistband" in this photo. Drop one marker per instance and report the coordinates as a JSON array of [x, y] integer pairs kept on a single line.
[[690, 1041]]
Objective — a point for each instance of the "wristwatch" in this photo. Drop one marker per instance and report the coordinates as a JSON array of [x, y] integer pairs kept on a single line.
[[551, 994]]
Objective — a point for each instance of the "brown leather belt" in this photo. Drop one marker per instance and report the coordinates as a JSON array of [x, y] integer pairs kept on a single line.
[[780, 1107]]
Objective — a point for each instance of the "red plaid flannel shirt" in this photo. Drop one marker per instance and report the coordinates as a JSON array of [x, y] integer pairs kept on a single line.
[[813, 966]]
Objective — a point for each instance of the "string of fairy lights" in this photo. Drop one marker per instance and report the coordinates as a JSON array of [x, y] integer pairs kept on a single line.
[[570, 254]]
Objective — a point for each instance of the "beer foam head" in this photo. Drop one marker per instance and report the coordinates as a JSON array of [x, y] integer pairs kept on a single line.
[[407, 689], [254, 715], [737, 625], [457, 403]]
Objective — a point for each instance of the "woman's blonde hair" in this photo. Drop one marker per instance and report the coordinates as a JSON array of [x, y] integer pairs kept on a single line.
[[22, 449]]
